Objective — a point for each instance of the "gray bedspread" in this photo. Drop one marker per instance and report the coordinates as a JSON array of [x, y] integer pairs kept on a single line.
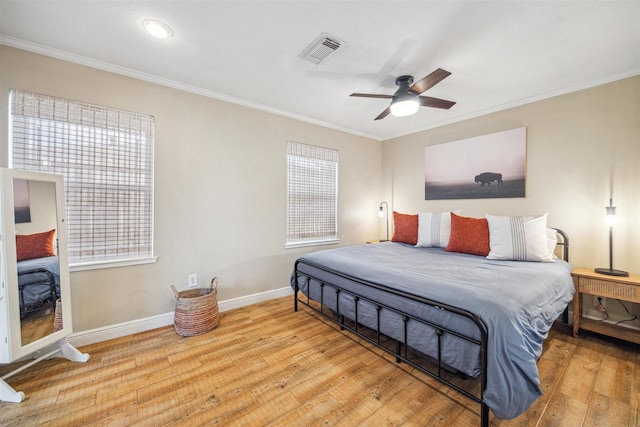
[[35, 282], [517, 301]]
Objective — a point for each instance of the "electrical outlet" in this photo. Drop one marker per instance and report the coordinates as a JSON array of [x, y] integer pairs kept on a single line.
[[599, 300], [193, 280]]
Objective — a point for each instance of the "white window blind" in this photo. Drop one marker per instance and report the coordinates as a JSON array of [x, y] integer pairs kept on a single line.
[[312, 195], [106, 158]]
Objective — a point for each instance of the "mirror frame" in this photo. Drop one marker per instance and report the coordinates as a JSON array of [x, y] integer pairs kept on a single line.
[[11, 347]]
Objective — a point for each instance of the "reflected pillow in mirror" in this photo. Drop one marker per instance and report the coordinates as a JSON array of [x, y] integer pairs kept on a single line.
[[38, 245]]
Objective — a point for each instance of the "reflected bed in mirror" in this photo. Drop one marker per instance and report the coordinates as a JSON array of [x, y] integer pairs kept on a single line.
[[38, 265], [39, 289]]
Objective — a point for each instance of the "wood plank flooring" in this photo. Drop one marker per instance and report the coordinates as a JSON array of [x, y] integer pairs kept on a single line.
[[266, 365], [36, 325]]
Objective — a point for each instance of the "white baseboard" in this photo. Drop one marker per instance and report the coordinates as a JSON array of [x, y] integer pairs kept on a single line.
[[105, 333]]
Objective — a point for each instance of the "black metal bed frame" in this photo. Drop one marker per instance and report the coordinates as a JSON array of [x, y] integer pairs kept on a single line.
[[50, 281], [401, 350]]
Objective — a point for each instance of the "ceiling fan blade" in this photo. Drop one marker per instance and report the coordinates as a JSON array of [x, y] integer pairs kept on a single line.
[[371, 95], [384, 114], [427, 101], [429, 81]]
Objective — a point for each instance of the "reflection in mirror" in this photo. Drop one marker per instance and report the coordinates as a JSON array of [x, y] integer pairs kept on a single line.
[[37, 258]]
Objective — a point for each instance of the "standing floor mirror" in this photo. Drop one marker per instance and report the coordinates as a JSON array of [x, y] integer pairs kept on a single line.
[[35, 300]]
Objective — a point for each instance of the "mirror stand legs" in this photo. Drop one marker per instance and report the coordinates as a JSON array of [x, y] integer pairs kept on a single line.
[[71, 353], [8, 394], [66, 350]]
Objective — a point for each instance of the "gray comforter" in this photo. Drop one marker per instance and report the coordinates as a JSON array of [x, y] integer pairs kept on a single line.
[[517, 301]]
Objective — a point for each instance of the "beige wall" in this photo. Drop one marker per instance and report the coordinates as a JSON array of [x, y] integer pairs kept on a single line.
[[220, 177], [580, 147], [42, 202], [220, 174]]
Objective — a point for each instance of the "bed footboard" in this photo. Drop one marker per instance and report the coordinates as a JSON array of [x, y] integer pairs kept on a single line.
[[342, 306]]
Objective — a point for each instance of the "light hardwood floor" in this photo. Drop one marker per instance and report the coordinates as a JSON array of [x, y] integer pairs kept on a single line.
[[36, 325], [266, 365]]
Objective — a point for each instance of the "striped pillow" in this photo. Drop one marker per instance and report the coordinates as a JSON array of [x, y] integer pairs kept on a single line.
[[434, 229], [518, 238]]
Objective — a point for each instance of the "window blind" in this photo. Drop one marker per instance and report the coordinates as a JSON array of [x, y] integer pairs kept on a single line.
[[312, 194], [106, 158]]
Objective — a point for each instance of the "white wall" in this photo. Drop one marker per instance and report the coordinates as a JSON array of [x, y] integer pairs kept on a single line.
[[42, 198], [581, 147], [220, 175]]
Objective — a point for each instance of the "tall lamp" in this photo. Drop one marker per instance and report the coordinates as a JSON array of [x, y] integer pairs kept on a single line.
[[611, 213], [381, 213]]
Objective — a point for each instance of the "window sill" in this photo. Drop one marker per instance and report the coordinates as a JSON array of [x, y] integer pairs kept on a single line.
[[311, 243], [111, 263]]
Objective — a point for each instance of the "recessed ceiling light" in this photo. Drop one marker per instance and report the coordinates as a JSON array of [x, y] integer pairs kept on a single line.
[[157, 29]]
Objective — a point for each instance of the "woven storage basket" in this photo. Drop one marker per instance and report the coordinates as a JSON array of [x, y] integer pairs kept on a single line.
[[57, 316], [196, 310]]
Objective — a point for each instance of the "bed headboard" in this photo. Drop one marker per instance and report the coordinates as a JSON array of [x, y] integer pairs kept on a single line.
[[563, 243]]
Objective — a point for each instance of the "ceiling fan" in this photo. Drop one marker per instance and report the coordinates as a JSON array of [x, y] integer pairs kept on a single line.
[[408, 98]]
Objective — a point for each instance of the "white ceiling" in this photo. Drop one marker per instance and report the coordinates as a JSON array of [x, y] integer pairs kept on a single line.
[[500, 53]]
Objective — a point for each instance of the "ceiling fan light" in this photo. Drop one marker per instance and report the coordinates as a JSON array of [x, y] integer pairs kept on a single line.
[[404, 107]]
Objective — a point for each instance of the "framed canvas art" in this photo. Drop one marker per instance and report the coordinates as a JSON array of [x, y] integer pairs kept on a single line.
[[21, 202], [482, 167]]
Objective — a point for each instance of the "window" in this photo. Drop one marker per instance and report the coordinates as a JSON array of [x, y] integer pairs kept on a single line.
[[106, 158], [312, 195]]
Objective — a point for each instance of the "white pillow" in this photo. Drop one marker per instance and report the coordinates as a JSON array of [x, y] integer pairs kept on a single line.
[[552, 242], [434, 229], [518, 238]]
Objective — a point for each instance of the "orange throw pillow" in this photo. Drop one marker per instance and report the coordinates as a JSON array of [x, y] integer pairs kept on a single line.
[[39, 245], [469, 235], [405, 228]]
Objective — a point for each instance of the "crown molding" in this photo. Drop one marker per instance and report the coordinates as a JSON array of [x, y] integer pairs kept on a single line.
[[150, 78]]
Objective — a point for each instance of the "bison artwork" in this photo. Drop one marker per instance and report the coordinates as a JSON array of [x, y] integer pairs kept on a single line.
[[488, 177]]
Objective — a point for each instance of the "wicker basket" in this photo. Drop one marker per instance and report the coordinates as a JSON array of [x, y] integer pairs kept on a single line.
[[196, 310], [57, 316]]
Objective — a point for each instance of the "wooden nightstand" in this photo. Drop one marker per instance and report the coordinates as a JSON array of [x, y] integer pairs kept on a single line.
[[622, 288]]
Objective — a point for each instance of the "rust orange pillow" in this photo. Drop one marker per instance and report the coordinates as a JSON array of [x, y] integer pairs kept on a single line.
[[39, 245], [469, 235], [405, 228]]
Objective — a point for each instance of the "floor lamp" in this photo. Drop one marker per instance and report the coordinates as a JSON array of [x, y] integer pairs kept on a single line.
[[381, 214]]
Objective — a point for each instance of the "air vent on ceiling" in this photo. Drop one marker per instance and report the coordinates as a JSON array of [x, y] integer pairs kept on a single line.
[[321, 48]]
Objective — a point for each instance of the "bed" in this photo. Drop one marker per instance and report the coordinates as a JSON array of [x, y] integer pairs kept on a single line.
[[38, 283], [38, 271], [467, 315]]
